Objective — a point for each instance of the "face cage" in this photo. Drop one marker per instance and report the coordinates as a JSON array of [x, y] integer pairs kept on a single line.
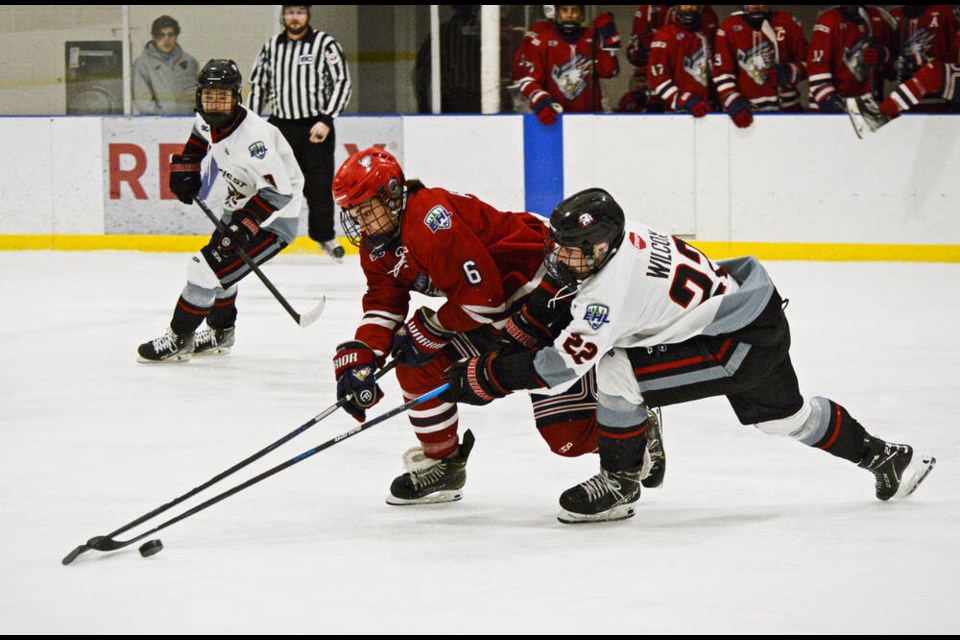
[[561, 271], [374, 242], [218, 120]]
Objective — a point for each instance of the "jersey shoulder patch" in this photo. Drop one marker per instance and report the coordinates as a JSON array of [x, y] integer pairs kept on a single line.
[[438, 218]]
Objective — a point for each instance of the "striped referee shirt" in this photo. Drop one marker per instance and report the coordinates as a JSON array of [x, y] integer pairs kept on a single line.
[[300, 79]]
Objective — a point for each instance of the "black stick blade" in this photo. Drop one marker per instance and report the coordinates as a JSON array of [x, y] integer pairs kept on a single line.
[[70, 557]]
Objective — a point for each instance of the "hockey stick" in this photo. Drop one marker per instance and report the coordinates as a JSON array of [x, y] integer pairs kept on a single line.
[[107, 543], [302, 320], [768, 32]]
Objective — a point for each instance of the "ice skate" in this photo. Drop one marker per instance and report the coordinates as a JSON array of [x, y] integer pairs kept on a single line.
[[209, 341], [654, 457], [865, 115], [333, 249], [607, 496], [897, 469], [431, 481], [170, 347]]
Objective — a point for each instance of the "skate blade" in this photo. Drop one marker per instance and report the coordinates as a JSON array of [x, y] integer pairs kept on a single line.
[[915, 473], [171, 360], [434, 498], [622, 512], [219, 351], [856, 118]]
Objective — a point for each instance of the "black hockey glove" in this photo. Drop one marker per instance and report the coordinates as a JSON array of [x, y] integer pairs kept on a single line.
[[833, 104], [543, 315], [472, 381], [240, 232], [421, 338], [355, 366], [185, 177]]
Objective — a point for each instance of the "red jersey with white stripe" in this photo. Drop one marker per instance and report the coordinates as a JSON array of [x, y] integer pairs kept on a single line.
[[456, 246], [835, 59], [679, 63], [743, 55], [546, 62]]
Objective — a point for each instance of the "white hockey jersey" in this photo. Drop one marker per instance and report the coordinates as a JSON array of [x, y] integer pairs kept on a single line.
[[255, 159], [656, 289]]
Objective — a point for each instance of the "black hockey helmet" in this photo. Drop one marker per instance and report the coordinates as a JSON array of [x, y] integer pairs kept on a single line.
[[591, 221], [219, 74], [688, 14]]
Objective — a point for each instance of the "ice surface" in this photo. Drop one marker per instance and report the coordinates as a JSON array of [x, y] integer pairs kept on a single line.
[[749, 534]]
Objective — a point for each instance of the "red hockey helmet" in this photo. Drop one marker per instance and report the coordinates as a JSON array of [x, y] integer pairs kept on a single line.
[[372, 173]]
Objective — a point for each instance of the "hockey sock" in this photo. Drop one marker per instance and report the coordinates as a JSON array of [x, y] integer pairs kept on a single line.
[[621, 448], [224, 313], [928, 80], [844, 437], [187, 317]]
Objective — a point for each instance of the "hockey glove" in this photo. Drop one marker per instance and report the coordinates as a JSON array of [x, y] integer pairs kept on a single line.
[[547, 109], [833, 104], [241, 234], [185, 177], [472, 381], [782, 74], [355, 366], [693, 105], [739, 111], [609, 38], [421, 338]]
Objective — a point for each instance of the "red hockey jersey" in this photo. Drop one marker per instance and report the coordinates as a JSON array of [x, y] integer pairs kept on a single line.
[[680, 63], [744, 54], [932, 35], [455, 246], [649, 18], [547, 63], [835, 60]]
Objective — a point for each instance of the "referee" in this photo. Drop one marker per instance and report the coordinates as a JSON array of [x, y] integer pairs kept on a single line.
[[302, 78]]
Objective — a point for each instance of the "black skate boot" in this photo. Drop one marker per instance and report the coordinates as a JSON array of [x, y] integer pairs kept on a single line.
[[609, 495], [170, 347], [654, 457], [209, 341], [437, 481], [897, 469]]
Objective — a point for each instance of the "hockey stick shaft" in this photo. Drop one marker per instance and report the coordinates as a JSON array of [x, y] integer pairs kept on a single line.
[[106, 543], [302, 320], [220, 476]]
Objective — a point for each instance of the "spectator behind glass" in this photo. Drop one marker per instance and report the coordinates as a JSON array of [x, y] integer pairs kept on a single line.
[[164, 75]]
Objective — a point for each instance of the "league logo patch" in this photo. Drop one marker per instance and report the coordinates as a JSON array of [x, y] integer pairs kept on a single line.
[[258, 150], [438, 218], [637, 241], [597, 315], [305, 59], [361, 373]]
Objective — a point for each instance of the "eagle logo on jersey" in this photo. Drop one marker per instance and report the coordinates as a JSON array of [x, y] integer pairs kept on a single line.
[[696, 66], [571, 78], [438, 218], [597, 315], [585, 220], [756, 60], [853, 59], [258, 150]]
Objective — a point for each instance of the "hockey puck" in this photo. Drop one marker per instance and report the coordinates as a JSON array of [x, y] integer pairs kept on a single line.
[[150, 548]]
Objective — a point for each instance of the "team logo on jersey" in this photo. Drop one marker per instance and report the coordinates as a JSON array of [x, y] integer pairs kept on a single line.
[[258, 150], [585, 220], [637, 241], [597, 315], [305, 59], [438, 218]]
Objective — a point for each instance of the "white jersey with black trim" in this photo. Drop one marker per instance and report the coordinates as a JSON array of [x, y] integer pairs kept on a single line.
[[656, 289], [255, 159]]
